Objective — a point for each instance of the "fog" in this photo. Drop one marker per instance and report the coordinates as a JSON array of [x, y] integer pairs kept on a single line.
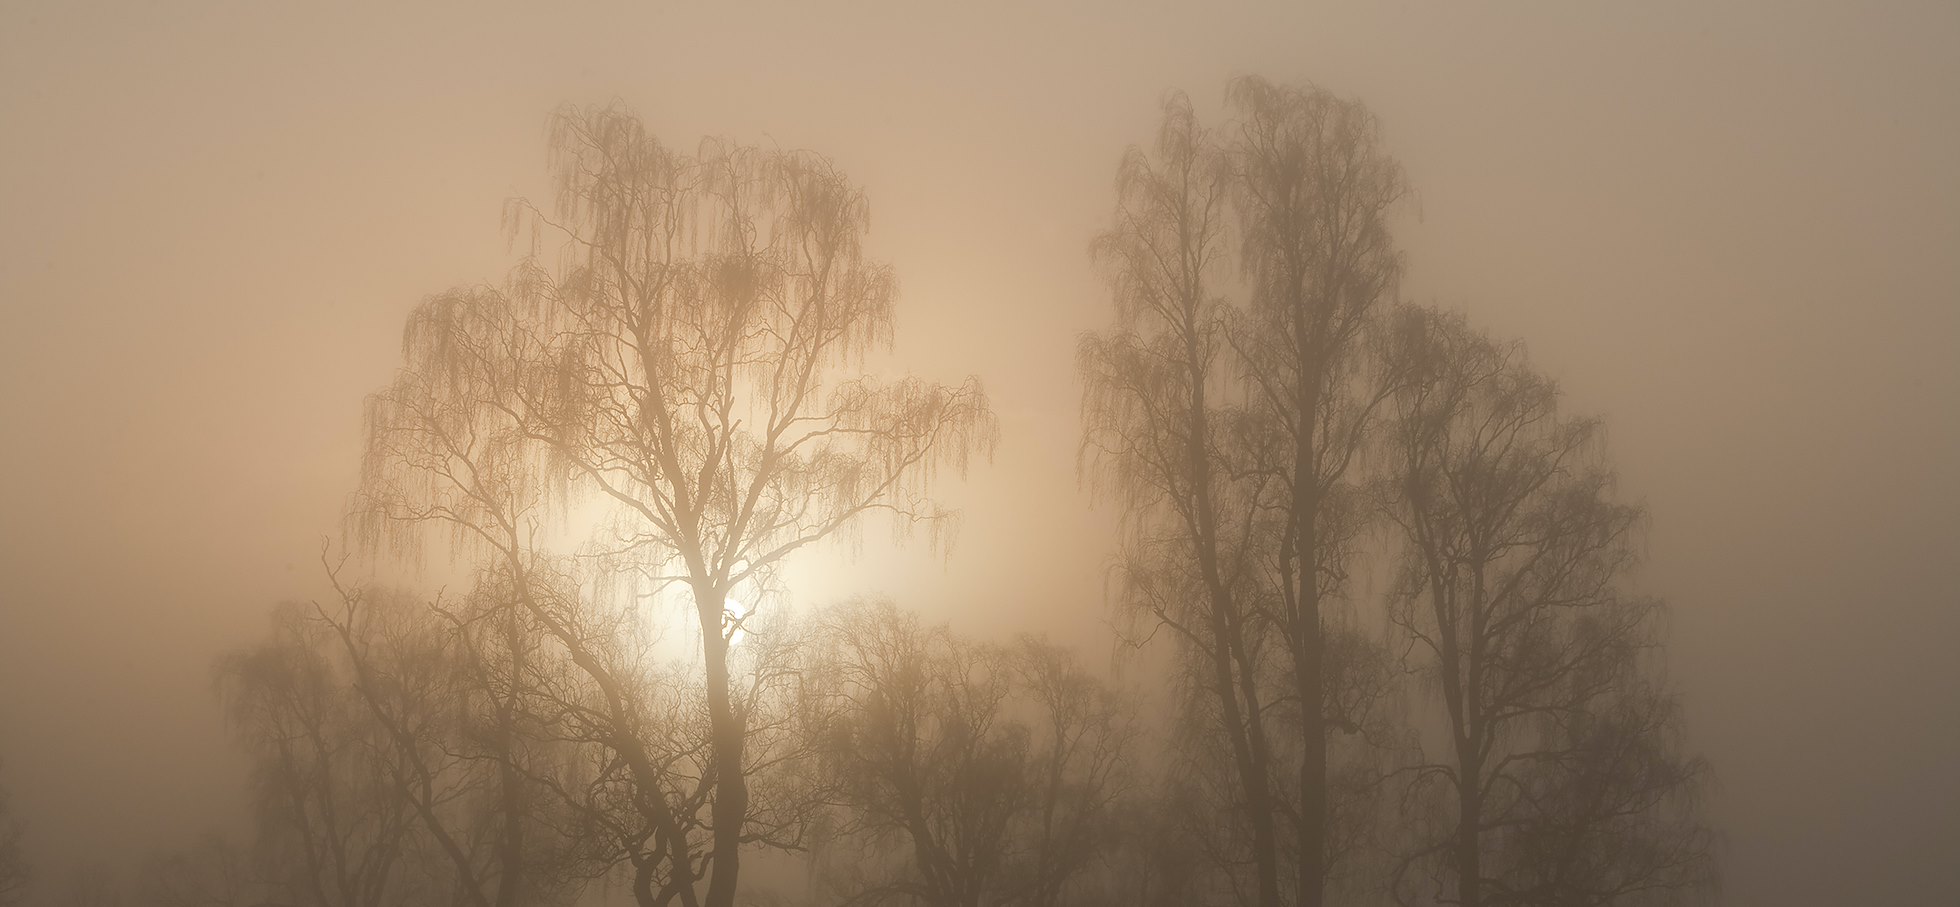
[[1730, 231]]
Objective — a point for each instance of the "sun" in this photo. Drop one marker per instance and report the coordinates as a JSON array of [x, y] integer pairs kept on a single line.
[[734, 616]]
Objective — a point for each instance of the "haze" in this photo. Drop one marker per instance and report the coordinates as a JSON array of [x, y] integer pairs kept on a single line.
[[1730, 230]]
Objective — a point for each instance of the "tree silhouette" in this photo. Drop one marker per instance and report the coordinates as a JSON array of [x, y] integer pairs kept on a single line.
[[1165, 435], [1563, 779], [325, 778], [1313, 189], [688, 362], [991, 773], [620, 445], [1230, 429], [450, 694]]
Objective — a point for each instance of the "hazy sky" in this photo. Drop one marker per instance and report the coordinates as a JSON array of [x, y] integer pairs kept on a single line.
[[1732, 229]]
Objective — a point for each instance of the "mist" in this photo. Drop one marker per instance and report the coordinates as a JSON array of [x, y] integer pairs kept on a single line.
[[1724, 233]]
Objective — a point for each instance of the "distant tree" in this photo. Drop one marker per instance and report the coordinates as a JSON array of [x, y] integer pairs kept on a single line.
[[1150, 860], [469, 760], [393, 764], [332, 825], [1563, 782], [689, 363], [1084, 739], [923, 759], [975, 775], [15, 876]]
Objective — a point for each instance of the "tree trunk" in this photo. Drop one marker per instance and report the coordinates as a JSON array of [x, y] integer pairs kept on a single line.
[[1248, 742], [511, 877], [1470, 763], [1308, 645], [727, 736], [1469, 854], [1313, 771]]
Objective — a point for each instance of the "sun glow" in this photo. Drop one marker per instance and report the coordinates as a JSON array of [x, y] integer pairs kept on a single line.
[[734, 620]]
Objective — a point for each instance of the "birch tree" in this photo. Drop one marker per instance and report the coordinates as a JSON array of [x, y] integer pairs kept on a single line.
[[968, 774], [1166, 433], [1228, 410], [1562, 781], [684, 341], [1314, 189]]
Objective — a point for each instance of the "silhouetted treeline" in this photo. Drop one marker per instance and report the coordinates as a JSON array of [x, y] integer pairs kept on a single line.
[[1388, 575]]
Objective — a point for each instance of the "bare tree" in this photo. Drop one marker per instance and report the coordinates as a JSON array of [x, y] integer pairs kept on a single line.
[[451, 700], [1166, 433], [397, 763], [330, 819], [445, 450], [1232, 433], [439, 454], [923, 757], [688, 361], [1563, 779], [1314, 189], [1151, 861], [1084, 737], [977, 775]]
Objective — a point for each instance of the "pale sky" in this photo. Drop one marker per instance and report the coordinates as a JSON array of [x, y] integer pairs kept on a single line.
[[1731, 229]]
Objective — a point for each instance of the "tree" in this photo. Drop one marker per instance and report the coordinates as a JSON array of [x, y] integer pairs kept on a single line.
[[328, 816], [688, 362], [395, 762], [1314, 189], [991, 773], [1231, 430], [922, 758], [1084, 737], [1564, 780], [470, 759], [1152, 862], [1162, 434]]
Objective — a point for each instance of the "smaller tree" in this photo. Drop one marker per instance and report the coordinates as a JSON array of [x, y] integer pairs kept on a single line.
[[334, 827], [1154, 857], [920, 757], [449, 694], [1083, 733], [969, 774]]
